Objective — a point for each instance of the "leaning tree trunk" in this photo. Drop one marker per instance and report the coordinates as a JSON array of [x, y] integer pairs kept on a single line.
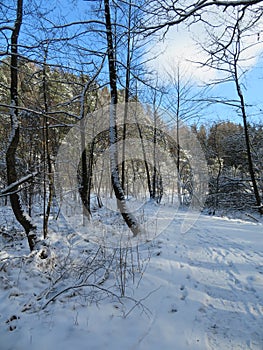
[[115, 179], [20, 215]]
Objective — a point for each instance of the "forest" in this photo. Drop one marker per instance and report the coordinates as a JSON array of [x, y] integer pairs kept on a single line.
[[57, 72], [108, 159]]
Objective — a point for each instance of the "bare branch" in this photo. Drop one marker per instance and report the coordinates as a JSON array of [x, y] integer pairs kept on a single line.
[[190, 12]]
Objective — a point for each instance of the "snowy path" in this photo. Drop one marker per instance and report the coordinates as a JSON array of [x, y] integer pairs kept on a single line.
[[213, 285], [201, 290]]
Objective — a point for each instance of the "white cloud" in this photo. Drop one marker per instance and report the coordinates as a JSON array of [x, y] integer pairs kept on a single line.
[[179, 48]]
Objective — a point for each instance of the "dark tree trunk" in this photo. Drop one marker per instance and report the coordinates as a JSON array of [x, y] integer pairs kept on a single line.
[[86, 172], [154, 177], [127, 95], [20, 215], [90, 175], [47, 158], [150, 188], [116, 184], [249, 155]]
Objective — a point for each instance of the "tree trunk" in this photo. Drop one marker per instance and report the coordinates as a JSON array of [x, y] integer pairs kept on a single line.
[[249, 155], [150, 188], [115, 179], [90, 175], [47, 158], [127, 95], [154, 177], [20, 215], [85, 177]]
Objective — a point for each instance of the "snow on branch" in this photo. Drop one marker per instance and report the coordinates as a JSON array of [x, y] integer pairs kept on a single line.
[[182, 14], [6, 191]]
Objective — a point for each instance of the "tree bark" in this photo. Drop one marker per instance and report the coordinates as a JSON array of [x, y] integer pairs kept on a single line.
[[249, 155], [150, 188], [20, 215], [115, 179], [127, 95], [47, 158], [247, 138]]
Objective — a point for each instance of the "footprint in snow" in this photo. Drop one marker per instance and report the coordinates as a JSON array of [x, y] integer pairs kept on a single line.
[[12, 322], [184, 292], [173, 309], [260, 269]]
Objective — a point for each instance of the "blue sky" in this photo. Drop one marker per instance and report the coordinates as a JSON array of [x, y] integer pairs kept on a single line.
[[252, 87], [179, 48]]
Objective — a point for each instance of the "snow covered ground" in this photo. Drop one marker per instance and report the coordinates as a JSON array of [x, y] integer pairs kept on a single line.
[[198, 290]]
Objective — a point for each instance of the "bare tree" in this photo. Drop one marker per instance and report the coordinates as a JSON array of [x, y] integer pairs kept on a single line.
[[182, 100], [46, 151], [118, 190], [21, 216], [226, 55], [127, 90]]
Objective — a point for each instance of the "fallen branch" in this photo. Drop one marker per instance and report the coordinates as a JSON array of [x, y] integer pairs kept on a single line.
[[252, 217]]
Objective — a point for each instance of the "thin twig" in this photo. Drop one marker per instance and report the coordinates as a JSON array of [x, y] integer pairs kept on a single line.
[[77, 287]]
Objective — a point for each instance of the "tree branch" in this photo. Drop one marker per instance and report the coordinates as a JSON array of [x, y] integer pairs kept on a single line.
[[182, 14], [19, 182]]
